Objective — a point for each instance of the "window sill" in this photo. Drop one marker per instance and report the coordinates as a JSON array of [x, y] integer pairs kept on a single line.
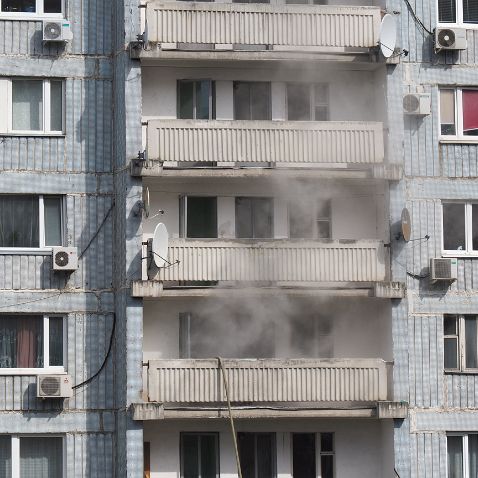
[[459, 255], [18, 251], [466, 26], [461, 372], [32, 371], [459, 140], [35, 134], [31, 17]]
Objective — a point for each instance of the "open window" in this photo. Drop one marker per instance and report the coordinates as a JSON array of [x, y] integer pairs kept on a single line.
[[459, 113], [30, 222], [310, 219], [51, 8]]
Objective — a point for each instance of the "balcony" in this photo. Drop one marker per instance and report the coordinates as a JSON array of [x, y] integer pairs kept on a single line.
[[272, 31], [281, 144], [275, 387]]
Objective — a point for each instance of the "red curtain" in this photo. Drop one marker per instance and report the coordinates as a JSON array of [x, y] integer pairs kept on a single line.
[[28, 332], [470, 110]]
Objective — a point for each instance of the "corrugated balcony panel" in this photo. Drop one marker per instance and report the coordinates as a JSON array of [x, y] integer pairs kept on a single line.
[[282, 26], [278, 142], [277, 260], [268, 380]]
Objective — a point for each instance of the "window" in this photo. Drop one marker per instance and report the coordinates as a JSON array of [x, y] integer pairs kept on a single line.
[[460, 228], [306, 2], [31, 456], [199, 455], [460, 342], [30, 221], [254, 217], [462, 455], [252, 100], [307, 102], [304, 455], [257, 454], [310, 221], [458, 113], [457, 11], [38, 7], [32, 342], [200, 216], [196, 99]]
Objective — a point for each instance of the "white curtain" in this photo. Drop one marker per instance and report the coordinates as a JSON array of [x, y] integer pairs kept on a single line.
[[41, 457], [455, 456], [27, 99]]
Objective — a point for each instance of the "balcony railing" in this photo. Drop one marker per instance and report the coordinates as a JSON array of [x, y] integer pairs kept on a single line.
[[279, 27], [276, 260], [287, 143], [268, 380]]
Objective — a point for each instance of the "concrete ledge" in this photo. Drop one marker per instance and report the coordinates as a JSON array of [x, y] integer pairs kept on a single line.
[[390, 290], [392, 410], [147, 411]]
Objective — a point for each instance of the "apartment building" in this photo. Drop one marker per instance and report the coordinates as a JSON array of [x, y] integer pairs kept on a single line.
[[270, 155]]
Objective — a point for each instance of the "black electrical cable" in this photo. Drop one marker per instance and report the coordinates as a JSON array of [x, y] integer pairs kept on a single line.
[[417, 20], [90, 379]]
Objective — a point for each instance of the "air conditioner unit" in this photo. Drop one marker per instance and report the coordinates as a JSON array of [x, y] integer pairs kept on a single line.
[[443, 270], [54, 386], [65, 259], [417, 104], [58, 31], [450, 39]]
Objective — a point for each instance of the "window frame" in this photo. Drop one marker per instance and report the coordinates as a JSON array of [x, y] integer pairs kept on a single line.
[[253, 199], [461, 344], [468, 251], [15, 450], [459, 18], [254, 436], [181, 452], [251, 83], [45, 370], [465, 449], [458, 137], [46, 114], [39, 13], [194, 81], [315, 220], [42, 248], [312, 99], [183, 214]]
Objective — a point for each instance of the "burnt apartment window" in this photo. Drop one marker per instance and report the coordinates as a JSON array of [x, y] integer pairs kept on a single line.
[[252, 100], [457, 11], [460, 342], [199, 455], [254, 217], [460, 228], [310, 220], [307, 102], [196, 99], [303, 455], [257, 454], [201, 216]]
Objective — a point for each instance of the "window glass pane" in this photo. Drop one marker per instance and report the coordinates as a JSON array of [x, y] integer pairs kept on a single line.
[[56, 341], [446, 11], [209, 456], [454, 227], [262, 217], [41, 457], [298, 102], [242, 100], [56, 111], [321, 113], [470, 342], [24, 6], [470, 11], [246, 445], [185, 99], [201, 217], [265, 455], [27, 105], [470, 112], [327, 466], [244, 228], [52, 6], [447, 112], [303, 455], [5, 456], [190, 457], [474, 227], [451, 353], [455, 456], [19, 221], [52, 208], [202, 99], [300, 227], [260, 101], [450, 325], [326, 442]]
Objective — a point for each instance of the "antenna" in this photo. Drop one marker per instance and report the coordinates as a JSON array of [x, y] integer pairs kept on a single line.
[[159, 247], [388, 35]]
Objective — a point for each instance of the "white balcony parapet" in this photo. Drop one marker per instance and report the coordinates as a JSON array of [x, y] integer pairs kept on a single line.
[[275, 260], [268, 380], [278, 142], [281, 27]]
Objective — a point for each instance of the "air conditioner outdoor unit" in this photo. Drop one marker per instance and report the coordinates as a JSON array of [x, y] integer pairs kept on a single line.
[[58, 31], [65, 258], [417, 104], [450, 39], [443, 270], [54, 386]]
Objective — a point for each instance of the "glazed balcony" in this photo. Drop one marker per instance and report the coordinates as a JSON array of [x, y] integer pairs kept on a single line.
[[292, 387], [273, 31], [183, 144]]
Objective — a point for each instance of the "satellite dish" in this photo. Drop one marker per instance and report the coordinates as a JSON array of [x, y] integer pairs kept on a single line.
[[159, 247], [146, 203], [406, 225], [388, 35]]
